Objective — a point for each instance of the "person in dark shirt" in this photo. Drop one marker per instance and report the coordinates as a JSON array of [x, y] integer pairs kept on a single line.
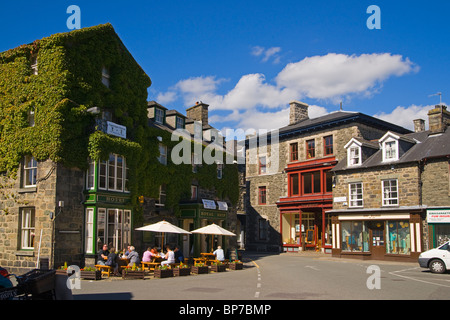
[[103, 255], [178, 255]]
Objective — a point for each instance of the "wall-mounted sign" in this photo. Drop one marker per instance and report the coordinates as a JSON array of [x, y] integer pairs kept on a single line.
[[222, 205], [209, 204], [438, 216], [117, 130]]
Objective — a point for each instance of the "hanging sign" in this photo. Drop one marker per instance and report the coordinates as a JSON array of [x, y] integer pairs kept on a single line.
[[209, 204], [438, 216]]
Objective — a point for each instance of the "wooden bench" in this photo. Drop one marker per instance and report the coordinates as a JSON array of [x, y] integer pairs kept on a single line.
[[106, 270], [149, 265]]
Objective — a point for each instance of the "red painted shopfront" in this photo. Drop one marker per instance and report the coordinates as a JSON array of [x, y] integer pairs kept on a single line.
[[304, 224]]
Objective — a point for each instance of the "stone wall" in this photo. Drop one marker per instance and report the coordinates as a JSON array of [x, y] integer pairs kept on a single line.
[[436, 184]]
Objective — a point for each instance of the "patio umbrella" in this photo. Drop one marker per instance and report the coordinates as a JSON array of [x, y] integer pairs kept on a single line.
[[214, 229], [163, 227]]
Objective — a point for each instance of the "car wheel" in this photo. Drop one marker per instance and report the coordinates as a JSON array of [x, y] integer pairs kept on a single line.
[[437, 266]]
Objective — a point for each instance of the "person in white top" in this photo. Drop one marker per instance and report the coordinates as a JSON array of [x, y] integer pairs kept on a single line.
[[219, 254], [170, 255]]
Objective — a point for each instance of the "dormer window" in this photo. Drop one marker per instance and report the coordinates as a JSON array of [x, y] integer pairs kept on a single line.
[[353, 152], [105, 76], [159, 116], [179, 123], [390, 150]]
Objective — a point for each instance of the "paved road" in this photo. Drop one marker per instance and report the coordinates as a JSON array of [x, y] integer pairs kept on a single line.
[[284, 277]]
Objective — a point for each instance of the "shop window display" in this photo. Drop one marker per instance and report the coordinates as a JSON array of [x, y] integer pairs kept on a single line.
[[442, 233], [398, 237], [355, 236]]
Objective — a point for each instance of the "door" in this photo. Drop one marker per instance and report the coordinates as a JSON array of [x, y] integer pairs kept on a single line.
[[377, 235]]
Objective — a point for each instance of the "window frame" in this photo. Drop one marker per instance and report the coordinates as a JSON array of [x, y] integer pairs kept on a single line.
[[26, 169], [328, 146], [262, 195], [106, 77], [262, 166], [105, 178], [387, 199], [159, 115], [358, 199], [162, 155], [293, 151], [27, 228], [310, 149], [393, 155], [351, 156]]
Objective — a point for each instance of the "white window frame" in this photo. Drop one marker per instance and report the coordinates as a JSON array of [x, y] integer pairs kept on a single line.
[[390, 154], [105, 77], [29, 168], [90, 175], [34, 66], [354, 155], [31, 116], [387, 191], [162, 154], [104, 179], [89, 235], [159, 116], [355, 197], [27, 228]]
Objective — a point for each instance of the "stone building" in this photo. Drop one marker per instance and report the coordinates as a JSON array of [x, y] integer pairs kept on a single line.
[[289, 179], [392, 196]]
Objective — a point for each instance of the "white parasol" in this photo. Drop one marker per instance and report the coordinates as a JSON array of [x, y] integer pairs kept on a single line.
[[214, 229], [163, 227]]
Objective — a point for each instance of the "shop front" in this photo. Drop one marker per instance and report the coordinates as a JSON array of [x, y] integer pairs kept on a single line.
[[195, 215], [438, 220], [108, 220], [395, 236]]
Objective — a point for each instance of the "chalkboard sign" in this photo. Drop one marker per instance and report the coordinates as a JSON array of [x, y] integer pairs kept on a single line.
[[309, 235]]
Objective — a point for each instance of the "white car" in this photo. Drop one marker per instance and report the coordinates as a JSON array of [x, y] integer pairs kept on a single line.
[[437, 259]]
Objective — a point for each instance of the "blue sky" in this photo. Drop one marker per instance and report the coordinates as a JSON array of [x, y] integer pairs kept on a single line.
[[249, 59]]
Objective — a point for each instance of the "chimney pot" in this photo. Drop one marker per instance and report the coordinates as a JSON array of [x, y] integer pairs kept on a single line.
[[298, 112], [419, 125]]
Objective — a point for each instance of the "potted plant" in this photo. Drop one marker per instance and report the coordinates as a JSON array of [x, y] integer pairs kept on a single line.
[[235, 265], [200, 268], [218, 266], [133, 272], [90, 273], [163, 271], [181, 270]]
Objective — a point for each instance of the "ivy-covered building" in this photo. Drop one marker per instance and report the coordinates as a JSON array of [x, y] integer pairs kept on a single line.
[[77, 153]]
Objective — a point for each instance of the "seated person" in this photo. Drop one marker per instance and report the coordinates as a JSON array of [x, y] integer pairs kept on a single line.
[[103, 255], [147, 256], [112, 261], [219, 254], [178, 254], [170, 255], [133, 256]]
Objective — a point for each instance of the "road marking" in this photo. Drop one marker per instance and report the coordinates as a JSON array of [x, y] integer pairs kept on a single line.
[[418, 280], [257, 295], [312, 267], [256, 265]]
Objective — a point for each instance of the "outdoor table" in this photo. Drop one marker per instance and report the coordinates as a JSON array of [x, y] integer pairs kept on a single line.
[[150, 265]]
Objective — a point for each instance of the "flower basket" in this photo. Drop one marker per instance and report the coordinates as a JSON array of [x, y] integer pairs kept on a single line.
[[180, 271], [200, 269], [91, 274], [235, 265], [128, 274], [218, 267], [163, 273]]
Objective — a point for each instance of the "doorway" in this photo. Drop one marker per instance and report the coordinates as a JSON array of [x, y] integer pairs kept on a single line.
[[377, 236]]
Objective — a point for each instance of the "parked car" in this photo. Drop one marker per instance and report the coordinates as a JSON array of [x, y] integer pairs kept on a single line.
[[437, 259]]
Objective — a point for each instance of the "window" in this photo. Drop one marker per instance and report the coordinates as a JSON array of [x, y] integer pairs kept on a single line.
[[310, 149], [162, 195], [31, 117], [262, 230], [294, 151], [294, 184], [356, 194], [390, 150], [89, 243], [159, 116], [311, 182], [354, 156], [398, 237], [328, 181], [390, 192], [27, 225], [105, 77], [113, 174], [29, 172], [194, 194], [328, 145], [219, 171], [179, 123], [90, 176], [262, 195], [34, 65], [291, 228], [113, 228], [355, 236], [262, 165], [162, 154]]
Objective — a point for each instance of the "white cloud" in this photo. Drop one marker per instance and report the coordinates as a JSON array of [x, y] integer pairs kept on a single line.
[[266, 54], [335, 76], [404, 116]]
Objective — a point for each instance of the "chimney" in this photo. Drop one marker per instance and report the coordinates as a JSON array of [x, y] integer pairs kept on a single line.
[[199, 112], [419, 125], [438, 119], [298, 112]]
